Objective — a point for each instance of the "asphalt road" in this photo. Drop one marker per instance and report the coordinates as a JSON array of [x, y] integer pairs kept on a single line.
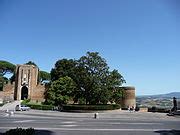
[[108, 123]]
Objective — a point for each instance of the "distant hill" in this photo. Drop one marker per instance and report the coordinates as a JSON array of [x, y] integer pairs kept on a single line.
[[168, 95]]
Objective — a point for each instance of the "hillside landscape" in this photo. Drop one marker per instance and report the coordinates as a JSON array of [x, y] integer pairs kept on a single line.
[[160, 100], [167, 95]]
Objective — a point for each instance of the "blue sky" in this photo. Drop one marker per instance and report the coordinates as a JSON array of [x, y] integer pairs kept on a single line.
[[139, 38]]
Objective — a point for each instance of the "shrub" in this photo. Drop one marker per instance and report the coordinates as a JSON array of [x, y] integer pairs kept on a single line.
[[25, 101], [39, 106], [20, 131], [90, 107]]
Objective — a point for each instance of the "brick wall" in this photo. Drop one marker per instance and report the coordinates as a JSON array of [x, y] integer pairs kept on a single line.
[[38, 93], [8, 92]]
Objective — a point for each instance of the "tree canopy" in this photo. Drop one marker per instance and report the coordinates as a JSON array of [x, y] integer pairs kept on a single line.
[[95, 83], [6, 67], [44, 76], [31, 63], [97, 72], [63, 67], [60, 91]]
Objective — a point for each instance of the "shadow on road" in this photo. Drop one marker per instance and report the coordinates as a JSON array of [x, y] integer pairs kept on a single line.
[[43, 132], [168, 132], [39, 132]]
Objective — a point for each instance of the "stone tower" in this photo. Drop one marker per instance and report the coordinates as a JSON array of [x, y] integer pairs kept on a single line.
[[26, 83], [129, 98], [26, 80]]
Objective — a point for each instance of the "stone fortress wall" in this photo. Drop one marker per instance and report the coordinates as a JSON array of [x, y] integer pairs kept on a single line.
[[38, 94], [26, 86], [8, 92]]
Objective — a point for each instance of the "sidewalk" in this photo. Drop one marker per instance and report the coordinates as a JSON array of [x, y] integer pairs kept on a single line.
[[9, 106]]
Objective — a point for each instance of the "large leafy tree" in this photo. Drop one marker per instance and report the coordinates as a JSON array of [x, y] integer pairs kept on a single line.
[[63, 67], [60, 91], [68, 67], [95, 83], [98, 82], [95, 77], [114, 80]]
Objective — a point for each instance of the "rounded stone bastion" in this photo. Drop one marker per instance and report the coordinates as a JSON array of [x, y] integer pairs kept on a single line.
[[128, 98]]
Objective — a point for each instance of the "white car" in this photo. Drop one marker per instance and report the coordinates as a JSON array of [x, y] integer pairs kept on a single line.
[[22, 108]]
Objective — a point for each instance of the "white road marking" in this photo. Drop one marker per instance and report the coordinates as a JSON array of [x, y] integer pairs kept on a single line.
[[22, 121], [68, 122], [88, 129], [136, 123], [68, 125]]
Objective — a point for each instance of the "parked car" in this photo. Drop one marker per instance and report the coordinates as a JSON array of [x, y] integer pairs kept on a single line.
[[22, 108]]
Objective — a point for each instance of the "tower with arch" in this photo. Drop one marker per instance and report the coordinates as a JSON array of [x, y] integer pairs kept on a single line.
[[26, 83]]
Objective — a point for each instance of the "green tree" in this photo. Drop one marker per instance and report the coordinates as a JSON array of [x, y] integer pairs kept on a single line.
[[44, 76], [31, 63], [115, 80], [60, 91], [63, 67], [117, 95], [94, 83], [6, 67], [70, 68], [98, 82]]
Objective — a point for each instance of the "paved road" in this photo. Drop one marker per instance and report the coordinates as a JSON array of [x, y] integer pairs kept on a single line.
[[108, 123]]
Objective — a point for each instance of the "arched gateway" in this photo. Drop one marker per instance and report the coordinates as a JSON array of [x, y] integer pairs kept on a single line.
[[24, 93]]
